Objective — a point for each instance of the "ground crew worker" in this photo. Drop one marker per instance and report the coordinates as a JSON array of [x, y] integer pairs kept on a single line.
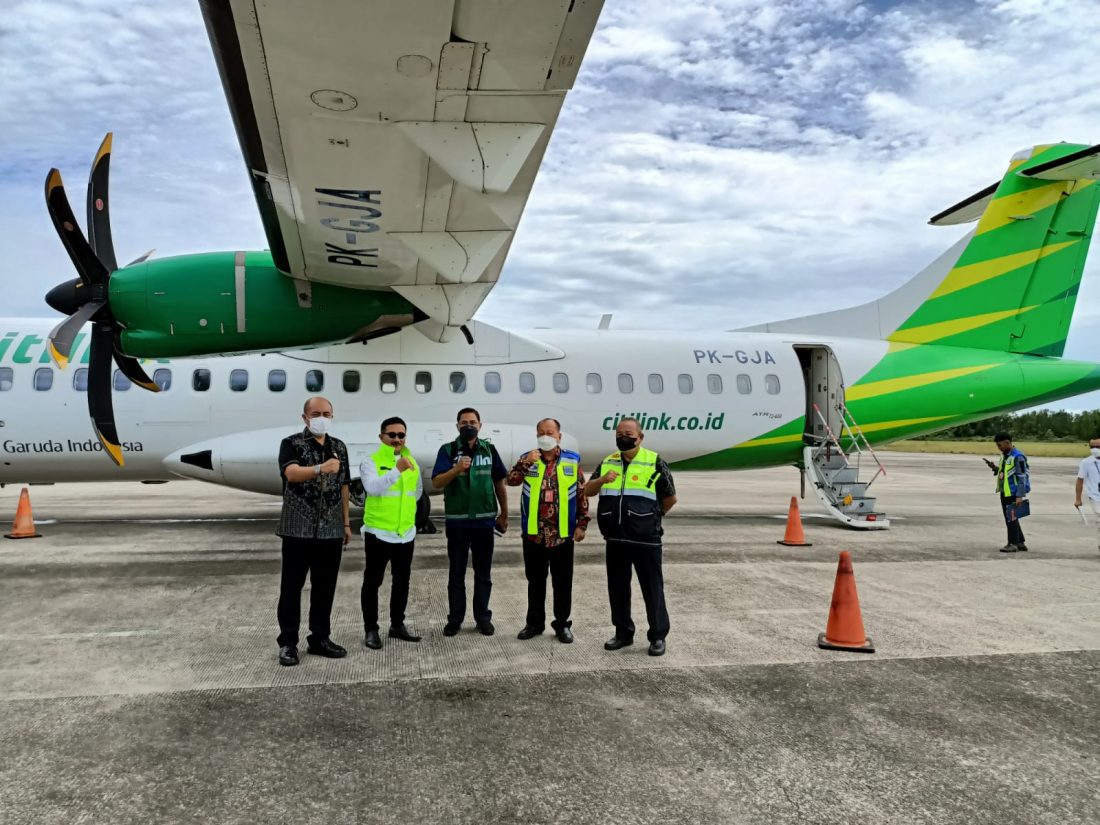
[[392, 486], [1088, 481], [636, 490], [315, 527], [553, 515], [1013, 483], [471, 475]]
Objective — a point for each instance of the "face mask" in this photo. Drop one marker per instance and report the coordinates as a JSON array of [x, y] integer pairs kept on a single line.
[[547, 442], [1095, 452], [319, 425], [625, 442], [467, 432]]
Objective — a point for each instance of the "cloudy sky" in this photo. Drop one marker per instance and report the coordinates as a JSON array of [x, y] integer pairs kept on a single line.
[[718, 164]]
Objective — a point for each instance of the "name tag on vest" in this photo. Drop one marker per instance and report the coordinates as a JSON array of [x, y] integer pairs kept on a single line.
[[568, 471]]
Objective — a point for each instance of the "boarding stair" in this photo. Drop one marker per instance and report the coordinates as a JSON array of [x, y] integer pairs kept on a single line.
[[833, 462]]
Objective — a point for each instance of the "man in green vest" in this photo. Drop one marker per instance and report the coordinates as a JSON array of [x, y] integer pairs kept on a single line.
[[636, 490], [471, 474], [553, 515], [392, 484]]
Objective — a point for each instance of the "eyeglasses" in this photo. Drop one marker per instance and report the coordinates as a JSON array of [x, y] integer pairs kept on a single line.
[[394, 435]]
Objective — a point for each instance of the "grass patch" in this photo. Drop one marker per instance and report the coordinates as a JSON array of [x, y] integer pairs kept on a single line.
[[988, 448]]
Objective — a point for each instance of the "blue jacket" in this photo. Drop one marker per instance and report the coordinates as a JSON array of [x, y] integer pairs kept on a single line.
[[1016, 475]]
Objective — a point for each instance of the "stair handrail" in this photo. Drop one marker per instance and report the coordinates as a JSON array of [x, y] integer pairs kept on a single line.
[[832, 438], [856, 433]]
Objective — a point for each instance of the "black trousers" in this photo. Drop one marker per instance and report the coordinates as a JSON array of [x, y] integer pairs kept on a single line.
[[558, 560], [462, 542], [1015, 532], [400, 559], [646, 559], [320, 558]]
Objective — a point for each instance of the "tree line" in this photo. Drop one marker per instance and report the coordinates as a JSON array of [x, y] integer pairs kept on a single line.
[[1037, 425]]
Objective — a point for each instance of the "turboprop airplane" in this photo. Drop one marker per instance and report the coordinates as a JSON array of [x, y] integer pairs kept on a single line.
[[391, 161]]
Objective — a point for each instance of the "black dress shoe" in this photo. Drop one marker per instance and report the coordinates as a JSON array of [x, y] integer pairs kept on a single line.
[[326, 648], [486, 628], [451, 628], [657, 648], [1021, 548], [288, 655], [372, 640], [614, 643], [565, 636], [529, 632], [403, 633]]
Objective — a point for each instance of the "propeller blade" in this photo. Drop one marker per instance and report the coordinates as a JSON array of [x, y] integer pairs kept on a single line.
[[133, 370], [62, 336], [90, 269], [99, 212], [100, 406], [141, 258]]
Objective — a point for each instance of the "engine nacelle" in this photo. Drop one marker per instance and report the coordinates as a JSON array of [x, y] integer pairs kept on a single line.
[[236, 302]]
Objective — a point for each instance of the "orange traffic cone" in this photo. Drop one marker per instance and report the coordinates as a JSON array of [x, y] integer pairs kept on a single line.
[[23, 526], [794, 537], [845, 628]]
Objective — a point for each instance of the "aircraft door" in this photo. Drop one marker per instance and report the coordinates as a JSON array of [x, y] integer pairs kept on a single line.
[[825, 388]]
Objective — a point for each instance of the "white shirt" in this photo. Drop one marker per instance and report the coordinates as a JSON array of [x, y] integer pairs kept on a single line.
[[374, 485], [1090, 472]]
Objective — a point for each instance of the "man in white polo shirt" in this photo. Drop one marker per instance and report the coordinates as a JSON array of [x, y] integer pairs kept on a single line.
[[1088, 481]]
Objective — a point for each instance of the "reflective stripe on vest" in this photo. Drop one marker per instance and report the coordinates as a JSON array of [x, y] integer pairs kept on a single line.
[[568, 471], [1008, 471], [639, 480], [394, 510]]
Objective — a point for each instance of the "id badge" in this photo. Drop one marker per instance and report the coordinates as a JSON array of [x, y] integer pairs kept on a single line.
[[547, 496]]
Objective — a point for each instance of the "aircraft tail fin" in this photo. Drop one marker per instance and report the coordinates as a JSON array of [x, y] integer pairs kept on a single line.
[[1009, 285]]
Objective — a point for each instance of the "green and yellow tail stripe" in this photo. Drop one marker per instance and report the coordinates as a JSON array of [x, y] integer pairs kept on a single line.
[[1014, 286], [887, 386], [963, 276]]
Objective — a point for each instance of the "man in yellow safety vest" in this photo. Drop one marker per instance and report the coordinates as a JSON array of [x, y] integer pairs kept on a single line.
[[392, 484], [553, 515], [636, 490]]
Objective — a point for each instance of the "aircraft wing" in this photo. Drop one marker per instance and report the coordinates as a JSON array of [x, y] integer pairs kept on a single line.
[[394, 143]]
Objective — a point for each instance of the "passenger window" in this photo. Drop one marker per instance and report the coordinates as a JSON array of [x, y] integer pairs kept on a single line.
[[656, 383], [163, 379], [626, 382], [744, 384], [527, 382], [423, 382], [561, 382], [200, 380], [80, 380], [457, 382], [771, 384], [593, 383], [686, 384], [121, 382], [387, 381], [7, 377], [351, 381], [238, 380], [492, 382], [276, 380], [315, 380], [714, 383], [43, 378]]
